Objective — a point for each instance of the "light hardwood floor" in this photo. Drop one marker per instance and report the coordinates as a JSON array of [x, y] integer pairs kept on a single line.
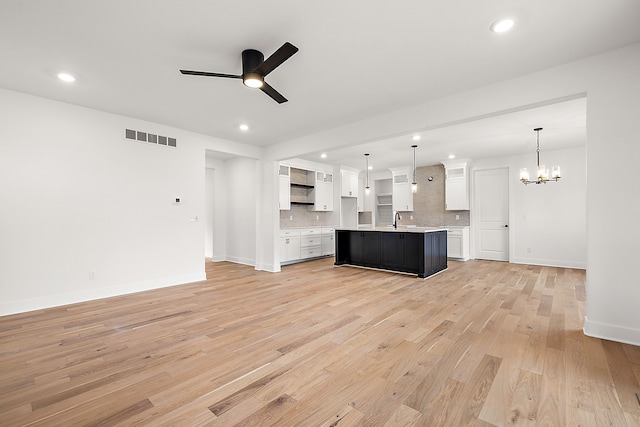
[[484, 343]]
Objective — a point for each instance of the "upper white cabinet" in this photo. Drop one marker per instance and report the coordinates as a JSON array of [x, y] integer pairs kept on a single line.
[[457, 185], [323, 191], [349, 184], [402, 195], [285, 188], [360, 195]]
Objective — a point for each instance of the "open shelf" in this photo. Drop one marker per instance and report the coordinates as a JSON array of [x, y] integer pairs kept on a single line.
[[293, 184]]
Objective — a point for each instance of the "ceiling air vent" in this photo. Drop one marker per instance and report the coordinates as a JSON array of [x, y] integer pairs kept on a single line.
[[136, 135]]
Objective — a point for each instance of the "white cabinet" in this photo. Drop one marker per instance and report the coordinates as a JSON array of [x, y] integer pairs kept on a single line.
[[361, 195], [285, 188], [328, 243], [458, 243], [323, 191], [349, 184], [456, 186], [299, 244], [310, 242], [402, 194], [289, 245]]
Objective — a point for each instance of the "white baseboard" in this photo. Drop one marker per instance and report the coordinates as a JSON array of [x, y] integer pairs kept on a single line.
[[272, 268], [611, 332], [245, 261], [550, 263], [39, 303]]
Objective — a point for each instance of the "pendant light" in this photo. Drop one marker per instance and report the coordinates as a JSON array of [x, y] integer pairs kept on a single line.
[[367, 189], [414, 183], [543, 173]]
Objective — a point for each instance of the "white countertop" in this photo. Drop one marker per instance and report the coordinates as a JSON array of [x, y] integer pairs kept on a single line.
[[390, 229]]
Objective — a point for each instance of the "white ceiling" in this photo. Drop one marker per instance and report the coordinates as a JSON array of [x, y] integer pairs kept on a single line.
[[357, 59]]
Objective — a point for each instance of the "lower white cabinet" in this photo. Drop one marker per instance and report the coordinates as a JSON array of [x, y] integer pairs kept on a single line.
[[328, 241], [289, 245], [298, 244], [458, 243], [310, 242]]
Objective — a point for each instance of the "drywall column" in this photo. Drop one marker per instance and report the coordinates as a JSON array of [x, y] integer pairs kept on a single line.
[[268, 218], [613, 152]]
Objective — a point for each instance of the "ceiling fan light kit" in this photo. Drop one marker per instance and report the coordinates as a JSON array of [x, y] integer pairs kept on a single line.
[[255, 68]]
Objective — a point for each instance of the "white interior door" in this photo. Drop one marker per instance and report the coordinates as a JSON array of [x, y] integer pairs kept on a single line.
[[491, 214]]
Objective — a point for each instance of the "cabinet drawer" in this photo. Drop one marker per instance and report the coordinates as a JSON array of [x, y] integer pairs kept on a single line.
[[328, 230], [310, 231], [310, 252], [290, 233], [310, 241]]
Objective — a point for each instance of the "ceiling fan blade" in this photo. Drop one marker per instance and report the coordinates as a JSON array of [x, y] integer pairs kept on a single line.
[[279, 56], [273, 93], [208, 74]]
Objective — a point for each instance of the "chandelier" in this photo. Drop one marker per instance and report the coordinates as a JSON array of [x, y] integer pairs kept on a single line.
[[543, 173]]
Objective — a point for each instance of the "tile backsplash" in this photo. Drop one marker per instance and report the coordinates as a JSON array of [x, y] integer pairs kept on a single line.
[[429, 201], [301, 216]]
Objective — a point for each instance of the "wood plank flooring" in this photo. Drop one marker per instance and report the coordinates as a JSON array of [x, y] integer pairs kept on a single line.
[[483, 343]]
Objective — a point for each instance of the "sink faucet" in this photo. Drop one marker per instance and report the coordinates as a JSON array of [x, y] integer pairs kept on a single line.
[[396, 217]]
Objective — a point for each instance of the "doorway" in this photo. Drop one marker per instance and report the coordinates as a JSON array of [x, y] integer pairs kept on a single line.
[[491, 214]]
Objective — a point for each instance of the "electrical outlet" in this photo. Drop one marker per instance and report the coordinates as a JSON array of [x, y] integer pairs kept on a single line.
[[290, 217], [92, 275], [317, 217], [528, 250], [457, 217], [410, 216]]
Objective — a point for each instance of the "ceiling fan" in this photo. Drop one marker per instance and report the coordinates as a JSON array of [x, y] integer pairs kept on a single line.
[[255, 68]]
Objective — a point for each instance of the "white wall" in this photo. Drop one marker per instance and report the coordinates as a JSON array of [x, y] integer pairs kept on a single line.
[[79, 198], [241, 210], [549, 219], [215, 209]]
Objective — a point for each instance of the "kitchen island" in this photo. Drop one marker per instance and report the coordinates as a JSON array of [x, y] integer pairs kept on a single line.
[[415, 250]]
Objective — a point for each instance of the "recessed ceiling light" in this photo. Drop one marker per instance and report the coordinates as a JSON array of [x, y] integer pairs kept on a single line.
[[502, 25], [452, 156], [323, 155], [370, 167], [66, 77], [244, 127], [415, 137]]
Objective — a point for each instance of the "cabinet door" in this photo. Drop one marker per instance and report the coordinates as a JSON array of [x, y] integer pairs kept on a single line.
[[391, 253], [412, 252], [428, 254], [402, 197], [293, 249], [284, 249], [438, 251], [355, 247], [371, 250], [456, 195], [289, 248], [360, 195], [457, 188], [328, 244], [443, 249], [319, 193], [284, 189], [328, 191], [343, 246], [454, 246], [349, 184]]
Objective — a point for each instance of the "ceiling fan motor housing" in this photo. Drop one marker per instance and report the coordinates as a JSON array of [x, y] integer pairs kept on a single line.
[[251, 59]]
